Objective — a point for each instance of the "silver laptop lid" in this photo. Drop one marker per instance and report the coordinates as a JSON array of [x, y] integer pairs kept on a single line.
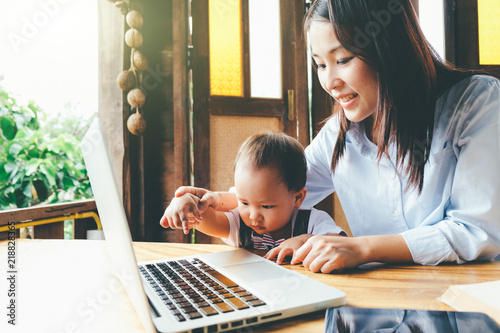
[[114, 220]]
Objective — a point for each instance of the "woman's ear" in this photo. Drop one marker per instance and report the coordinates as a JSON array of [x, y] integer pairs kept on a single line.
[[299, 197]]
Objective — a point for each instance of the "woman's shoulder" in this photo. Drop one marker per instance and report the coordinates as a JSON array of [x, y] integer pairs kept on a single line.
[[465, 93], [480, 81], [317, 214], [484, 79], [331, 123], [472, 98], [473, 85], [330, 127]]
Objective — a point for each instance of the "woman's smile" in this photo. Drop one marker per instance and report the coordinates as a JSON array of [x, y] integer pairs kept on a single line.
[[347, 101]]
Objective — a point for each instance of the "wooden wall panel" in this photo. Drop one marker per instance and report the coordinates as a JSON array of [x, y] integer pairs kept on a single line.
[[49, 231], [227, 134], [201, 95], [158, 110]]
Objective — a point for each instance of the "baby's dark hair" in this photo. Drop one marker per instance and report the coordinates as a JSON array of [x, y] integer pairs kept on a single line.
[[278, 151]]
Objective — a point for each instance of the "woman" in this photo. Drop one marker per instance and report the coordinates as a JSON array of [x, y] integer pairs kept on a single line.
[[413, 153]]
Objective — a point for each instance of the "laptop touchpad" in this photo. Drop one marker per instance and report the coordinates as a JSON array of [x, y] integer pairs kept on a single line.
[[257, 271]]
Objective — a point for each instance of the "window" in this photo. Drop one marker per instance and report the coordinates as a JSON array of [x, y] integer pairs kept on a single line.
[[49, 72], [431, 17], [489, 32]]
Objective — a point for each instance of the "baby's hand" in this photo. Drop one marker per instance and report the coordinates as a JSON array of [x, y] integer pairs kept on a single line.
[[182, 213], [287, 248]]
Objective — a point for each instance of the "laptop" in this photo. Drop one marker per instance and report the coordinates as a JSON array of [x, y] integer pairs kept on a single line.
[[210, 292]]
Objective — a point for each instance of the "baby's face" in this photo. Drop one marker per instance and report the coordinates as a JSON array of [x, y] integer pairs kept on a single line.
[[264, 201]]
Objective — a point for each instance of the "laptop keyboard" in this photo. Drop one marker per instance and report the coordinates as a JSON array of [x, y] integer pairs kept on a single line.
[[192, 289]]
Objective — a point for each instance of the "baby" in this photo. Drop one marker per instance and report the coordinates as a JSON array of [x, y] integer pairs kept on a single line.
[[269, 177]]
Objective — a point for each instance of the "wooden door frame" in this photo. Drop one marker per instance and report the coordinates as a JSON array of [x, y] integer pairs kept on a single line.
[[205, 105], [181, 107], [137, 167], [462, 35], [201, 94]]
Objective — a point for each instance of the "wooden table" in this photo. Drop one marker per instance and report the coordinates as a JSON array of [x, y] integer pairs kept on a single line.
[[68, 286]]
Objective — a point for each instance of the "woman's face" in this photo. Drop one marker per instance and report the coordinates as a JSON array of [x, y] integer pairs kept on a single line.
[[348, 79]]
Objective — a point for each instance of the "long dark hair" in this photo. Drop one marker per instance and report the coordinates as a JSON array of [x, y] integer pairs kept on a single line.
[[411, 75]]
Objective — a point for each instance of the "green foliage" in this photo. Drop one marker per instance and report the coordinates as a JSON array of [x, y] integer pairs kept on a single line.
[[40, 157]]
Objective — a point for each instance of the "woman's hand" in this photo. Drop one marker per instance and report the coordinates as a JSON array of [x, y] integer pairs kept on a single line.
[[327, 253], [207, 198], [287, 248], [197, 191]]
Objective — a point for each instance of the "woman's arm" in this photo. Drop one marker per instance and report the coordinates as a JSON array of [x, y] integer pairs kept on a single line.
[[469, 227], [319, 156], [327, 253], [220, 201]]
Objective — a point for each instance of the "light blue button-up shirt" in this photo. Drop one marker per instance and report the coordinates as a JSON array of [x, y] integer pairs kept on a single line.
[[457, 215]]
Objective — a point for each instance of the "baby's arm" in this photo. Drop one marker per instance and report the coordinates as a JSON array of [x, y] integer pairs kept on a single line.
[[214, 223]]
